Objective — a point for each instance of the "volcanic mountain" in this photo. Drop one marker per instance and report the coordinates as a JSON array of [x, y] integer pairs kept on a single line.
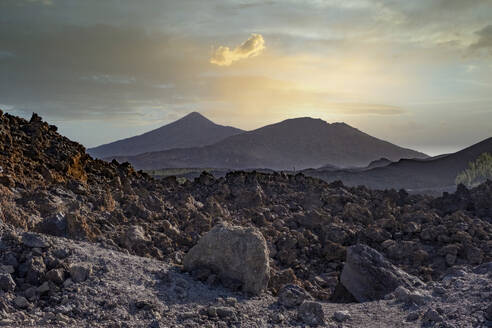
[[193, 130], [291, 144], [432, 174]]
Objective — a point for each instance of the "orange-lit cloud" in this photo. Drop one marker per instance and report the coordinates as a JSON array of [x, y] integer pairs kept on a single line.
[[224, 56]]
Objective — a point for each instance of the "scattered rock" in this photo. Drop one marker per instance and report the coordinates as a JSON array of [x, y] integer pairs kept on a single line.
[[36, 270], [413, 316], [234, 253], [488, 312], [291, 296], [134, 237], [33, 240], [417, 296], [341, 316], [80, 271], [21, 302], [225, 312], [44, 288], [431, 316], [311, 313], [56, 276]]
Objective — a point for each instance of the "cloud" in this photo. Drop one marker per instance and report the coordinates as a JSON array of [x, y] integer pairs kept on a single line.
[[484, 39], [224, 56]]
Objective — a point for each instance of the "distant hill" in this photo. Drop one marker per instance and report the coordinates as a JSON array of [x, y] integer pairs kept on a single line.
[[433, 174], [291, 144], [193, 130]]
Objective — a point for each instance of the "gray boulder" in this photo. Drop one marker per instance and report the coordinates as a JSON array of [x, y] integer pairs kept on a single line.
[[368, 276], [234, 253]]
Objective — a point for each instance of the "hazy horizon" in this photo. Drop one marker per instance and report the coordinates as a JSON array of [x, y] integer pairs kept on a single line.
[[417, 74]]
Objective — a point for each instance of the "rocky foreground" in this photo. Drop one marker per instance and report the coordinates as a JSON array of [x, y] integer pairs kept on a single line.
[[110, 247]]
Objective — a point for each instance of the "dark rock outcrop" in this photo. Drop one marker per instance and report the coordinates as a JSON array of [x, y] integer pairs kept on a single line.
[[368, 276]]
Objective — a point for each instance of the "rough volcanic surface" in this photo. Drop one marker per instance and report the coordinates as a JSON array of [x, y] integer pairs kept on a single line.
[[133, 228]]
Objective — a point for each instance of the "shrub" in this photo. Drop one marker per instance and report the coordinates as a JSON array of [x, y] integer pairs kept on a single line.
[[477, 172]]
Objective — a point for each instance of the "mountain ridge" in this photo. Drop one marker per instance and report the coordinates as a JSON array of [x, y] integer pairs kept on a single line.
[[295, 143], [438, 172]]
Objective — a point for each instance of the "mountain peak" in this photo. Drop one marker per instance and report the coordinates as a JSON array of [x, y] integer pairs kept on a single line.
[[194, 115], [192, 130]]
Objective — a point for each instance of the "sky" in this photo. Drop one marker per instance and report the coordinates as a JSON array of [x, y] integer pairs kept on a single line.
[[416, 73]]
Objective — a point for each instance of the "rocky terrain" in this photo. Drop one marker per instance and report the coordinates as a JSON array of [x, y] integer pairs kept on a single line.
[[89, 243]]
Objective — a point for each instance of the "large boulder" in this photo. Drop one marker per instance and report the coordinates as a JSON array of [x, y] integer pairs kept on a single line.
[[368, 276], [233, 253]]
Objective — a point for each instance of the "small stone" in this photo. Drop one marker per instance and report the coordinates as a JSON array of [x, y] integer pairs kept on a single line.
[[36, 270], [439, 290], [155, 324], [341, 316], [56, 276], [432, 316], [488, 313], [231, 301], [225, 312], [61, 318], [413, 316], [278, 317], [11, 259], [61, 253], [6, 322], [44, 288], [80, 271], [450, 259], [7, 269], [404, 295], [30, 293], [21, 302], [7, 284], [49, 316], [292, 295], [33, 240], [212, 311], [311, 313], [68, 283], [188, 315]]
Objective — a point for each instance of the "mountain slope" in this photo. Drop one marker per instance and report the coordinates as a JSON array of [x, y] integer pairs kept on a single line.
[[435, 173], [294, 143], [190, 131]]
